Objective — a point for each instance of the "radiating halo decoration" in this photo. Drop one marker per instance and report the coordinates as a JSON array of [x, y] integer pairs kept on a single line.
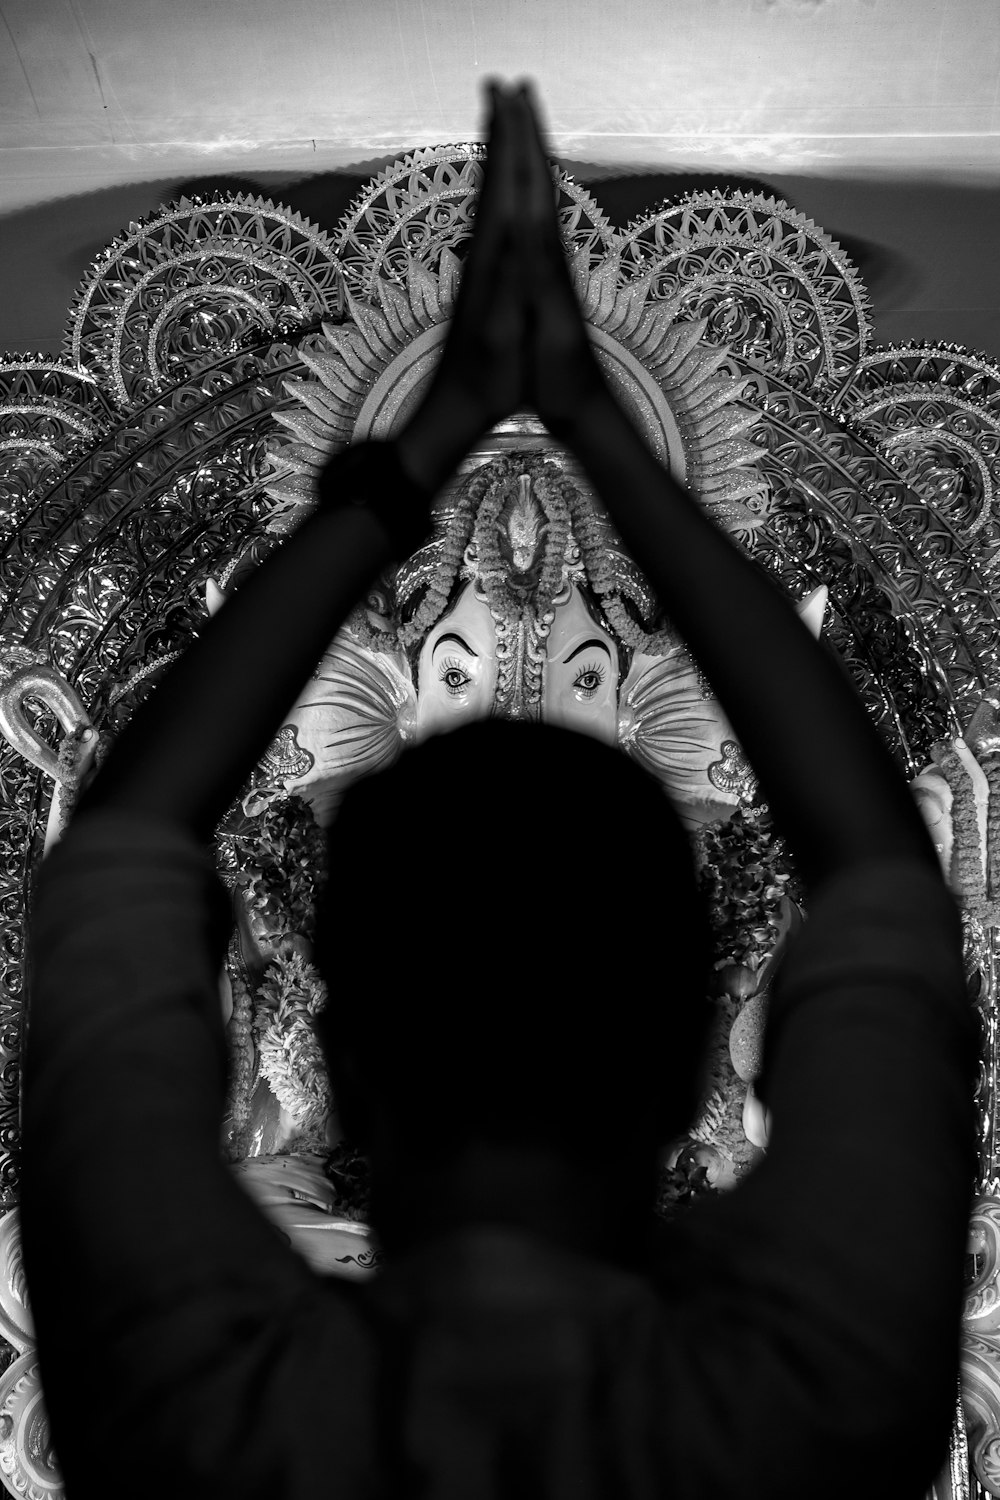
[[401, 281], [218, 351], [48, 415], [768, 282], [932, 410], [192, 280]]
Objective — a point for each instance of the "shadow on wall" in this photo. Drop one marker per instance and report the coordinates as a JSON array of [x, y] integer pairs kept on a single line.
[[47, 250], [886, 271], [925, 250]]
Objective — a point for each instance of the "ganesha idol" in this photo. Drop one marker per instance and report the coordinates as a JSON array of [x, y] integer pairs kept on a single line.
[[522, 605]]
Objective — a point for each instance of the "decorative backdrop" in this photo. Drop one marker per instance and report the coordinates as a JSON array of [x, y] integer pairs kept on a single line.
[[217, 351]]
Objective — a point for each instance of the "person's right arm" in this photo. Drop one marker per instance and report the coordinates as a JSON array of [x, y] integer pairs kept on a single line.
[[834, 1317], [817, 1335], [832, 786], [842, 1254]]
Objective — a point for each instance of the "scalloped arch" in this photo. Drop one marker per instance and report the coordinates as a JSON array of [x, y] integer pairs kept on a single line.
[[197, 280], [775, 288]]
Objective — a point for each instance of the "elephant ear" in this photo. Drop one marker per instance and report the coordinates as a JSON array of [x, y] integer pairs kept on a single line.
[[672, 723], [672, 729], [352, 719]]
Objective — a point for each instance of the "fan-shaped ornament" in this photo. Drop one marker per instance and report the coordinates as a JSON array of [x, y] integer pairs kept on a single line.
[[48, 416], [768, 282], [202, 277]]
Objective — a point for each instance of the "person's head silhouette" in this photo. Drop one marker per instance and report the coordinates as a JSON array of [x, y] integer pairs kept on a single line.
[[517, 960]]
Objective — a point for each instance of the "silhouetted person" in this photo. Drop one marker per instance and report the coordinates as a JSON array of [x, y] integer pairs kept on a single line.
[[530, 1335]]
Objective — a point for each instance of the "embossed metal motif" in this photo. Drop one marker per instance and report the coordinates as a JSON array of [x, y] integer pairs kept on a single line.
[[218, 350]]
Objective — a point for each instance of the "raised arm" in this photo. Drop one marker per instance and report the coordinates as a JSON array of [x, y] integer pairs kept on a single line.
[[191, 747], [816, 1335], [208, 1324], [832, 786]]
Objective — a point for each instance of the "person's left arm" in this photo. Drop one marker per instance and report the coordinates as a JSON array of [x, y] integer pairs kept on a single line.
[[139, 1244], [189, 750]]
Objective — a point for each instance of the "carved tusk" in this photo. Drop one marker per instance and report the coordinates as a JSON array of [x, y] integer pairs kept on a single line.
[[812, 608], [215, 598]]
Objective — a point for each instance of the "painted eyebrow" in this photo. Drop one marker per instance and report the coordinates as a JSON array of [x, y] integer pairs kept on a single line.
[[595, 642], [459, 641]]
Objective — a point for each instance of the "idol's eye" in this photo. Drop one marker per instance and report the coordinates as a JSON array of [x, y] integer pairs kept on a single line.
[[454, 676], [589, 680]]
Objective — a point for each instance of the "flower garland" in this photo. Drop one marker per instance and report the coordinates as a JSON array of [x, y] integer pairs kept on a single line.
[[470, 538], [711, 1119], [491, 567], [604, 560], [448, 554], [744, 871], [371, 623], [281, 853], [290, 996], [554, 495], [279, 859], [990, 763], [975, 880], [966, 875], [680, 1186], [241, 1054]]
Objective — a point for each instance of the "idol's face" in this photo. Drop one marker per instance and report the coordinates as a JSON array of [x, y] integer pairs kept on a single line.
[[580, 688], [457, 668]]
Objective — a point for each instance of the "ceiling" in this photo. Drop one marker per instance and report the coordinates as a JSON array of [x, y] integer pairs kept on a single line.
[[108, 107]]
